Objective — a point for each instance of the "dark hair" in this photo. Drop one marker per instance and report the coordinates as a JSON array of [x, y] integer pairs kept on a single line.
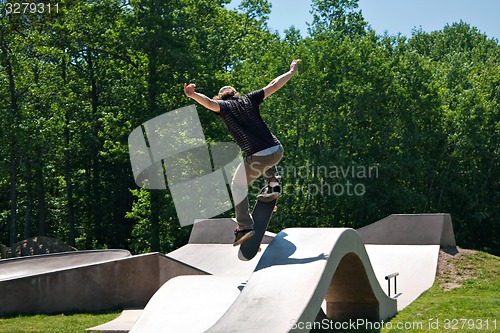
[[227, 92]]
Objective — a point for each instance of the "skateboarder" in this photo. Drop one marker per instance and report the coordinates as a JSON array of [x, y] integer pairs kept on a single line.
[[262, 150]]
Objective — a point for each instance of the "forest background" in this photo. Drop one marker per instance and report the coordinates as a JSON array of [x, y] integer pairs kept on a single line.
[[372, 125]]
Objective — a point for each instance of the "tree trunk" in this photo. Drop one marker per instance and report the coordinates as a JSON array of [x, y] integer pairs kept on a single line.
[[29, 201], [40, 185], [13, 199], [95, 179], [153, 89], [67, 167], [69, 188], [155, 221], [39, 175], [14, 122]]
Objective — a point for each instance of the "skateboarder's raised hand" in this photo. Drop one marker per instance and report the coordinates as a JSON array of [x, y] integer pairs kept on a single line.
[[295, 65], [271, 88], [200, 98], [280, 81]]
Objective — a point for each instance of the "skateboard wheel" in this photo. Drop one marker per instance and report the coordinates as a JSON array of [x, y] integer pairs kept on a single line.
[[260, 249], [275, 209]]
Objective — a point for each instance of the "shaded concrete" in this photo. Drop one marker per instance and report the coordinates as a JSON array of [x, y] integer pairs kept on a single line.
[[350, 294], [410, 229], [122, 282]]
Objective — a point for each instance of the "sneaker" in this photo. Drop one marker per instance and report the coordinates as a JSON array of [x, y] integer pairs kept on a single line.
[[269, 193], [242, 235]]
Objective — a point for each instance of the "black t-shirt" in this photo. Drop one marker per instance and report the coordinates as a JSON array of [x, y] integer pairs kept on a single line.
[[241, 115]]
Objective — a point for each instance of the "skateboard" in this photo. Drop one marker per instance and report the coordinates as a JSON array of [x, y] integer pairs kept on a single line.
[[261, 213]]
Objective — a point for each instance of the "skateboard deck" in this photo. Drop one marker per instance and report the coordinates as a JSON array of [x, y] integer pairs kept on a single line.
[[262, 213]]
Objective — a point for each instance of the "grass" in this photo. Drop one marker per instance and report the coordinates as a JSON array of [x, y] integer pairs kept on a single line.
[[60, 323], [472, 300], [473, 306]]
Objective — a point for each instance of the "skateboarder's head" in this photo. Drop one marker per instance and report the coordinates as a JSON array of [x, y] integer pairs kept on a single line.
[[227, 92]]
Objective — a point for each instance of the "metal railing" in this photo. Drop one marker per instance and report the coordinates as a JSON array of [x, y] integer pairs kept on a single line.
[[388, 278]]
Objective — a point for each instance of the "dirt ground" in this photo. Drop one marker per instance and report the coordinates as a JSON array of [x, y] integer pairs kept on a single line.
[[453, 267]]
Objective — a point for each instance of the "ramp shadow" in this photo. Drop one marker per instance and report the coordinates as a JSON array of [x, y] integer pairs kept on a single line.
[[281, 254]]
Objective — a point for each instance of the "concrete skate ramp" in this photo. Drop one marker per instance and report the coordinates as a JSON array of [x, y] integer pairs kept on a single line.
[[416, 265], [189, 304], [218, 231], [210, 248], [300, 269], [25, 266], [410, 229], [408, 244], [216, 259], [127, 282], [122, 324]]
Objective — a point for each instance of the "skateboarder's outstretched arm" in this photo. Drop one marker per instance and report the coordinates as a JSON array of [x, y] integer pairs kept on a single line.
[[271, 88], [200, 98], [280, 81]]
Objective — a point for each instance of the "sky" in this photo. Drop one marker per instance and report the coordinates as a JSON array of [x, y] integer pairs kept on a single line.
[[397, 16]]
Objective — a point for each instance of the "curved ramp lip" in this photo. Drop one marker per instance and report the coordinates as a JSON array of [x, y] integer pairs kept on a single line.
[[21, 267], [294, 277]]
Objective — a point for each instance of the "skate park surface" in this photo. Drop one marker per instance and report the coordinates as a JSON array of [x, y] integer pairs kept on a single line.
[[301, 275]]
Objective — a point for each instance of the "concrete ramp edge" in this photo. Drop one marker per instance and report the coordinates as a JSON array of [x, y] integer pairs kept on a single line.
[[410, 229]]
